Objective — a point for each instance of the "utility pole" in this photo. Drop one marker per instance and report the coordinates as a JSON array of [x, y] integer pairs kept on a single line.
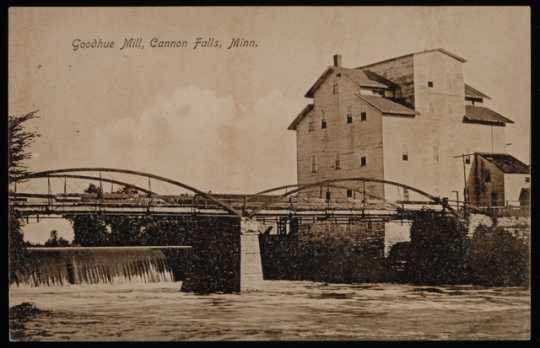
[[465, 195], [457, 198]]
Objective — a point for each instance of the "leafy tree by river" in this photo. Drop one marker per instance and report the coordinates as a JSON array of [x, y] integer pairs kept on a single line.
[[19, 141]]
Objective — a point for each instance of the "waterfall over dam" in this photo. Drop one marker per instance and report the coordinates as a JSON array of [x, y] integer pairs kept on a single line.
[[58, 266]]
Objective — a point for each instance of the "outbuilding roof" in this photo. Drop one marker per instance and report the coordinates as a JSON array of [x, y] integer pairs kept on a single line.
[[483, 115], [473, 93], [507, 163]]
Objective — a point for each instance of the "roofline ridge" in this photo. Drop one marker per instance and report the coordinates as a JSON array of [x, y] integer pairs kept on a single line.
[[440, 49]]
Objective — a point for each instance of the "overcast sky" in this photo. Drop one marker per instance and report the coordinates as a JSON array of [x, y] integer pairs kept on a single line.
[[216, 118]]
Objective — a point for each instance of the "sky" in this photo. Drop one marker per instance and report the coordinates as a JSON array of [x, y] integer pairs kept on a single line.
[[216, 118]]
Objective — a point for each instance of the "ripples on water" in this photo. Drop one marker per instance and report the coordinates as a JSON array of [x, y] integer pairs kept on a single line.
[[281, 310]]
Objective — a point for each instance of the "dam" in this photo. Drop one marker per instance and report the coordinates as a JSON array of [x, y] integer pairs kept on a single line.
[[60, 266]]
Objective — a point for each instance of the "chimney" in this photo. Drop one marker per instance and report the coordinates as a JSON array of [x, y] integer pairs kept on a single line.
[[337, 60]]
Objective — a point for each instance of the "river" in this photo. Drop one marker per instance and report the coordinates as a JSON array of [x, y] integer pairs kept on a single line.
[[280, 310]]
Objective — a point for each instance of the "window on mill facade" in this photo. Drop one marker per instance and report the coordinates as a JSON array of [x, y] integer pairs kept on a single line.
[[337, 162], [311, 128], [363, 161], [323, 124], [404, 153], [313, 164], [335, 88]]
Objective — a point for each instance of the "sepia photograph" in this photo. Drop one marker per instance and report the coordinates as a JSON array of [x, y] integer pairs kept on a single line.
[[356, 173]]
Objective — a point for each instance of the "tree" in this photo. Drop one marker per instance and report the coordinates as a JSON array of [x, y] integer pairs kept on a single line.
[[19, 141], [92, 188], [18, 255], [54, 241], [89, 230], [129, 190]]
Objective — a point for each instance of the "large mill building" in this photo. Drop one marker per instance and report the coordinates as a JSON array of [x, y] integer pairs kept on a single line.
[[403, 119]]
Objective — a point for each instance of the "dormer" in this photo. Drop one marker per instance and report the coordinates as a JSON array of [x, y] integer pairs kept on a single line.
[[368, 83]]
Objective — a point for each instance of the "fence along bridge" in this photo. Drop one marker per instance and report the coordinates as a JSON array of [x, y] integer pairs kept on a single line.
[[136, 199]]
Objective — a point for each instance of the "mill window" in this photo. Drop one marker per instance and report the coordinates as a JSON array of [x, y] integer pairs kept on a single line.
[[405, 153], [313, 164], [363, 161], [494, 199], [311, 128], [349, 194], [323, 124], [338, 162], [487, 177], [349, 114], [363, 116], [335, 88], [430, 84], [527, 179]]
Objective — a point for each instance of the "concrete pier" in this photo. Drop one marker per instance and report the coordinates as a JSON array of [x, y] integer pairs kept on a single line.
[[226, 256], [251, 274]]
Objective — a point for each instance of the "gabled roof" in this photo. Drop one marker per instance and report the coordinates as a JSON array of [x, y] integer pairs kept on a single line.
[[473, 93], [358, 76], [387, 106], [300, 116], [442, 50], [483, 115], [508, 164]]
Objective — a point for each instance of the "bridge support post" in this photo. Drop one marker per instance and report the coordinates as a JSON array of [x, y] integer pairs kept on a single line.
[[226, 256], [251, 274]]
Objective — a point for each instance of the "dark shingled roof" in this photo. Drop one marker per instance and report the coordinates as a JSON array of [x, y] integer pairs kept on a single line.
[[358, 76], [300, 116], [442, 50], [483, 115], [387, 106], [508, 164], [473, 93]]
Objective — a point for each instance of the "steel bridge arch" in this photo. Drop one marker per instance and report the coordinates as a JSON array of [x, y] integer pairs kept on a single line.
[[89, 177], [279, 188], [304, 187], [49, 173]]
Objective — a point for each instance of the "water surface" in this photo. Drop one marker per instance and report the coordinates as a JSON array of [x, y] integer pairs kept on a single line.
[[281, 310]]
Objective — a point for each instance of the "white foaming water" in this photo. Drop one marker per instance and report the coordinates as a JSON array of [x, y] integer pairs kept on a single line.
[[63, 266]]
